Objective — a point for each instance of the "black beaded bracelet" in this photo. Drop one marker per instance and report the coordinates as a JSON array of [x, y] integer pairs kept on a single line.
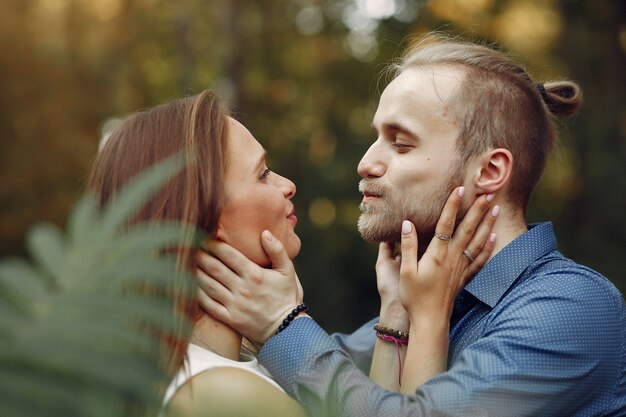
[[391, 332], [294, 313]]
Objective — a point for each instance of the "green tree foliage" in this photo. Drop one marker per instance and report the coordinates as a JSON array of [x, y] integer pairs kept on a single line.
[[78, 329], [303, 76]]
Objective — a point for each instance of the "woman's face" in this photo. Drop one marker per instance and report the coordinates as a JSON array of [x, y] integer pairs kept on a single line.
[[257, 199]]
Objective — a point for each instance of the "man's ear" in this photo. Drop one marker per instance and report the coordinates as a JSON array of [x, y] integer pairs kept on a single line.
[[493, 170]]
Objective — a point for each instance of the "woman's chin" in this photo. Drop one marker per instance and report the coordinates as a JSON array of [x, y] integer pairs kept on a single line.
[[294, 248]]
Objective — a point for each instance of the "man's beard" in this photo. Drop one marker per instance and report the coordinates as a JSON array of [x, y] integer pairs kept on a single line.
[[382, 221]]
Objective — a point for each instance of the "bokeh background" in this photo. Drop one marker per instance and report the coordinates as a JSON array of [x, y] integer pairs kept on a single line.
[[303, 75]]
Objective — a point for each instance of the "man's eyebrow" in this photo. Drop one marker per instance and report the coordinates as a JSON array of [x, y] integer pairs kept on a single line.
[[396, 126]]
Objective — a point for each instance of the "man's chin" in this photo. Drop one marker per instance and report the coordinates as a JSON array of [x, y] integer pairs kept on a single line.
[[374, 234]]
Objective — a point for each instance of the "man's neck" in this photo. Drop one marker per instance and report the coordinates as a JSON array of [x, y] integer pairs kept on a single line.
[[509, 226]]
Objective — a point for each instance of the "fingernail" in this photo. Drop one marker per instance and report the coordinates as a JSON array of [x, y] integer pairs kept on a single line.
[[490, 197], [495, 210], [268, 235], [461, 192], [406, 227], [492, 237]]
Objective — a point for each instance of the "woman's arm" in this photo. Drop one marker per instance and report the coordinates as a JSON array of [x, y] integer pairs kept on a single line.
[[231, 392], [388, 357], [428, 288], [429, 296]]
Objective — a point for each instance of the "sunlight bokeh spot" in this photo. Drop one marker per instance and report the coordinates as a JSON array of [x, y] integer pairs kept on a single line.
[[529, 27], [348, 212], [106, 9], [622, 37], [362, 46], [322, 212], [378, 9], [310, 20], [322, 147], [464, 12]]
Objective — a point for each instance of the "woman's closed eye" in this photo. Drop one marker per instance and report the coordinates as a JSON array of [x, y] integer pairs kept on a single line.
[[265, 174]]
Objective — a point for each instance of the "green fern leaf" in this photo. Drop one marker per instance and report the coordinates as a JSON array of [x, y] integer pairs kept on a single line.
[[78, 327]]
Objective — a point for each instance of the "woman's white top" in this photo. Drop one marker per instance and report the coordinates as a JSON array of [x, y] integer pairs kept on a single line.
[[199, 360]]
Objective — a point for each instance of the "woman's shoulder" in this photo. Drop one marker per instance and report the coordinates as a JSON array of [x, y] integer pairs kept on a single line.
[[229, 391]]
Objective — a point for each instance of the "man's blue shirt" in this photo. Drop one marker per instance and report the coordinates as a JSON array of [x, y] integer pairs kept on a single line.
[[533, 334]]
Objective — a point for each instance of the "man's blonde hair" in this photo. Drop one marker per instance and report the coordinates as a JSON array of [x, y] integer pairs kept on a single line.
[[498, 105]]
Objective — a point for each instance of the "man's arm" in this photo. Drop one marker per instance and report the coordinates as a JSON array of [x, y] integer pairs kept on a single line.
[[315, 370], [541, 353], [359, 345]]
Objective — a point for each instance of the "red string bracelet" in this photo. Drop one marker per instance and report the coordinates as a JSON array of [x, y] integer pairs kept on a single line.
[[398, 342]]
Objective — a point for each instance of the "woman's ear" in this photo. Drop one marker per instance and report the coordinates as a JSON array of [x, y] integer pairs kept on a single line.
[[493, 170], [220, 234]]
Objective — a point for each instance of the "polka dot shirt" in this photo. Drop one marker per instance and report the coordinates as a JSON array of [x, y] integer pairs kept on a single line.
[[533, 334]]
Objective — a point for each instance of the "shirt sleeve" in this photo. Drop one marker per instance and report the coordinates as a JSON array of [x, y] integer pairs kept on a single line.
[[359, 345], [541, 354], [314, 369]]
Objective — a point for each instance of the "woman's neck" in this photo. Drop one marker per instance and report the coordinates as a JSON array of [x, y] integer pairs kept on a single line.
[[217, 337]]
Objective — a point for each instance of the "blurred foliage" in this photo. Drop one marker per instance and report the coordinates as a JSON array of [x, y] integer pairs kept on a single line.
[[81, 328], [303, 76]]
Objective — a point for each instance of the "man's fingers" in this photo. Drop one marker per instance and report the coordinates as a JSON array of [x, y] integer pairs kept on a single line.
[[230, 256], [213, 288], [213, 308], [408, 246], [215, 269], [275, 252]]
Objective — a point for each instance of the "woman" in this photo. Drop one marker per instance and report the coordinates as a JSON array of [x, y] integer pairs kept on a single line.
[[227, 191]]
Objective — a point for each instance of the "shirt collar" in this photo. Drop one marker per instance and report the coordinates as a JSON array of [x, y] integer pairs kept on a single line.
[[497, 276]]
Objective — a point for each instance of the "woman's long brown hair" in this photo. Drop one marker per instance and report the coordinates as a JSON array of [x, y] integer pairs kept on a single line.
[[197, 126]]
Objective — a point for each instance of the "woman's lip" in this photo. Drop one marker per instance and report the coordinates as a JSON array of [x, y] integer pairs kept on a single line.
[[292, 219]]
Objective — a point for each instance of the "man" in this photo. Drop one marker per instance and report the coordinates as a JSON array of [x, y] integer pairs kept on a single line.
[[533, 333]]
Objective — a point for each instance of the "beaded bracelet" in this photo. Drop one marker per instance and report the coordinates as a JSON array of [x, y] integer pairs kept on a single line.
[[294, 313], [391, 332]]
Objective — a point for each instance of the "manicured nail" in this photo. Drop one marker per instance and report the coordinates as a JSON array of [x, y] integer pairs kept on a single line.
[[495, 210], [492, 237], [490, 197], [406, 227], [461, 192], [268, 235]]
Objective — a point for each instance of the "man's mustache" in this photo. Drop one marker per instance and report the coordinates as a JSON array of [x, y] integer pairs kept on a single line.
[[372, 187]]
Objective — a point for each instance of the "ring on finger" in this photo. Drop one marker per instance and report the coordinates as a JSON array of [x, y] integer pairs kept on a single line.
[[443, 237], [468, 255]]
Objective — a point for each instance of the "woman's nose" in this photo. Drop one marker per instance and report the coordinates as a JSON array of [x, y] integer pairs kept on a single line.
[[287, 186]]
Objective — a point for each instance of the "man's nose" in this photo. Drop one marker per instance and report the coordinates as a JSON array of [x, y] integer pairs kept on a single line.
[[371, 164]]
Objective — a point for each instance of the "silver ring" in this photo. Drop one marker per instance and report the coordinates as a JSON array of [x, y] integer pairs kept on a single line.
[[441, 237], [468, 256]]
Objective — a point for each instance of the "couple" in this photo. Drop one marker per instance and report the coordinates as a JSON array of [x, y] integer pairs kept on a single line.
[[533, 333]]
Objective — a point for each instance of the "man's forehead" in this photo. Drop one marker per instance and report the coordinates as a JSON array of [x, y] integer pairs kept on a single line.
[[428, 88]]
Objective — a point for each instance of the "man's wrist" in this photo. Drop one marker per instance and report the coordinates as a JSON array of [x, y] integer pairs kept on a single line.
[[286, 319]]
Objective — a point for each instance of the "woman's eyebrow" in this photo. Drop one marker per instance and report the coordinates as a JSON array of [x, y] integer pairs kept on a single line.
[[261, 161]]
